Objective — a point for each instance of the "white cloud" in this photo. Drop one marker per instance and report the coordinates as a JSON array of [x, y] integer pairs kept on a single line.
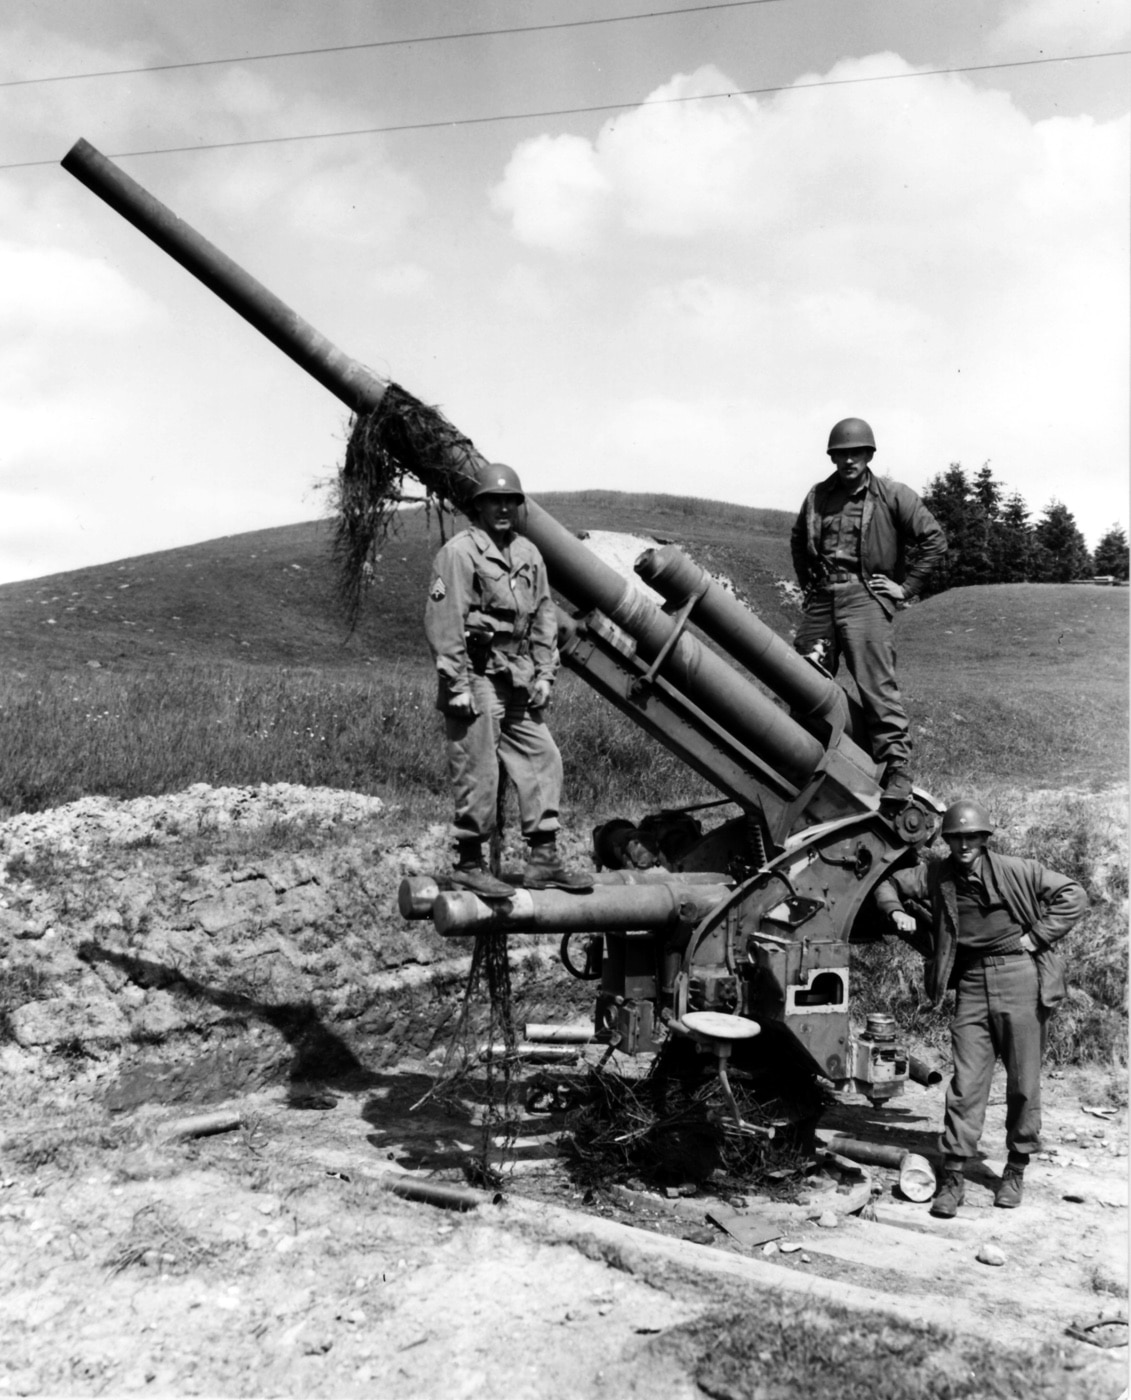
[[919, 252], [47, 290], [554, 191]]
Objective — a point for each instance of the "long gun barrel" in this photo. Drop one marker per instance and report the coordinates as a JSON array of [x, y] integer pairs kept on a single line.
[[727, 699]]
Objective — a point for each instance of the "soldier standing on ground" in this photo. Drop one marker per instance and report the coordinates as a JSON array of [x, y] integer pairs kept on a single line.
[[862, 546], [492, 628], [986, 924]]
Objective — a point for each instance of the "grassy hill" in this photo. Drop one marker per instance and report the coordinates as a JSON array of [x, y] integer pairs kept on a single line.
[[267, 598], [227, 662]]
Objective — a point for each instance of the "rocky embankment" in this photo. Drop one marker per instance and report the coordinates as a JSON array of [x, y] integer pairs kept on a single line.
[[259, 917]]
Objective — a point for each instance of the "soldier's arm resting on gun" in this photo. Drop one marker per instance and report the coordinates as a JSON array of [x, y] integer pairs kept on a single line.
[[892, 897]]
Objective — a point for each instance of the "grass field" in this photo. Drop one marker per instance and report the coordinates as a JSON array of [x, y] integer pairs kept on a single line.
[[226, 663]]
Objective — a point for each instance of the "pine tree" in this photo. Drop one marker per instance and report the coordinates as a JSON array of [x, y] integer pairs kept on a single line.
[[955, 504], [988, 492], [1061, 554], [1013, 542], [1112, 553]]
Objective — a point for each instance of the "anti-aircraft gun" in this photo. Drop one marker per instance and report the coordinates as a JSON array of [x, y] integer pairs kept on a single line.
[[745, 929]]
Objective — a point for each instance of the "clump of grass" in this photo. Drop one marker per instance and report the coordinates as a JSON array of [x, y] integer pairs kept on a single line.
[[22, 982], [157, 1239], [67, 1145], [844, 1354]]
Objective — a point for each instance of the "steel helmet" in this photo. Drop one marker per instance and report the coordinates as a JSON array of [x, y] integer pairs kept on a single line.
[[851, 432], [965, 817], [497, 479]]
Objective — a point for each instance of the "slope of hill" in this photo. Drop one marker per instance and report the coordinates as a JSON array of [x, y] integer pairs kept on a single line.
[[267, 597]]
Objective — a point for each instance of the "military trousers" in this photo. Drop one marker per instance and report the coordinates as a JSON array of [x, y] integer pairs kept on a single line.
[[997, 1016], [504, 729], [844, 620]]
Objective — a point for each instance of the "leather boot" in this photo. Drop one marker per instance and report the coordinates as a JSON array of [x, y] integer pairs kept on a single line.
[[1010, 1187], [471, 873], [545, 871], [951, 1192], [897, 787]]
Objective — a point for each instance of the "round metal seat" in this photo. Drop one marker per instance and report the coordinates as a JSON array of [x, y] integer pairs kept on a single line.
[[718, 1031], [718, 1025]]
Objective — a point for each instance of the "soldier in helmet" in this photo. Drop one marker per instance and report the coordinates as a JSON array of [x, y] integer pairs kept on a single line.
[[492, 628], [987, 924], [862, 546]]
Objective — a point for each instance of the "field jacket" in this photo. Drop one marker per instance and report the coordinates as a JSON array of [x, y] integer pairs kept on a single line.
[[1045, 904], [489, 617], [899, 537]]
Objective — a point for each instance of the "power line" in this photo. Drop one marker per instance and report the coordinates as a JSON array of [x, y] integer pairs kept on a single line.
[[388, 43], [580, 111]]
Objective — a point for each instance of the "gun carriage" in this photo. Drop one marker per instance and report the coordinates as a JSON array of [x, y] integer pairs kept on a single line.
[[735, 941]]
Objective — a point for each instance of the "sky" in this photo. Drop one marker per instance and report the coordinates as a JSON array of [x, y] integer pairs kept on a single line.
[[779, 216]]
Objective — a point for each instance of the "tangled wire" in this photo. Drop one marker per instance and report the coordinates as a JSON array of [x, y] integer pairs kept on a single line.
[[673, 1129]]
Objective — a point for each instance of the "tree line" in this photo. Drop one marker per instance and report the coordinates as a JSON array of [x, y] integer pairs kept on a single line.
[[992, 539]]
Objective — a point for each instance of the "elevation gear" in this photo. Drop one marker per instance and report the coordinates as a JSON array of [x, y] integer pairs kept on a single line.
[[851, 432], [965, 817]]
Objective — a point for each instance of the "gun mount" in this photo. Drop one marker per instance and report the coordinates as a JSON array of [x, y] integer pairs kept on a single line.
[[747, 925]]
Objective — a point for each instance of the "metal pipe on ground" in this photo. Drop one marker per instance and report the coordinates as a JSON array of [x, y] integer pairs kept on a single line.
[[203, 1125], [916, 1175], [923, 1073], [536, 1054], [435, 1193], [559, 1035], [602, 910]]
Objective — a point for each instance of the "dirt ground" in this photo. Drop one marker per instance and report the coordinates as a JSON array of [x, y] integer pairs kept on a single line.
[[270, 1259]]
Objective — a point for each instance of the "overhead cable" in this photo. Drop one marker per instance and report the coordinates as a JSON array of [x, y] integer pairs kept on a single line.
[[580, 111], [385, 43]]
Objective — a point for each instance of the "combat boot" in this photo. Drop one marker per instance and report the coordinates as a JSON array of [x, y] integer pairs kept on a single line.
[[545, 871], [951, 1192], [471, 873], [897, 787], [1011, 1186]]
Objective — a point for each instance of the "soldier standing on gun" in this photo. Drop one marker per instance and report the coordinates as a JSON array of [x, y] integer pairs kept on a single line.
[[987, 924], [863, 546], [492, 628]]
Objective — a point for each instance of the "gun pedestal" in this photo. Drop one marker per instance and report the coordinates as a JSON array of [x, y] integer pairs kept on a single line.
[[718, 1031]]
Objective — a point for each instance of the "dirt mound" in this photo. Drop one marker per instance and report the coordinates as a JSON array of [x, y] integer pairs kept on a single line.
[[264, 916]]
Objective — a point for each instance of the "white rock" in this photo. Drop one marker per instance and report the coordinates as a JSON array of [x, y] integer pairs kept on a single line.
[[990, 1254]]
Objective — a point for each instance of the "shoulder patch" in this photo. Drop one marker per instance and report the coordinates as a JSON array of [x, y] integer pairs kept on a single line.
[[437, 591]]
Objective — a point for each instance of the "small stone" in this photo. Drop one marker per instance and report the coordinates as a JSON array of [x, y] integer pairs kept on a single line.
[[771, 1248], [990, 1254], [828, 1220], [805, 1259], [789, 1247]]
